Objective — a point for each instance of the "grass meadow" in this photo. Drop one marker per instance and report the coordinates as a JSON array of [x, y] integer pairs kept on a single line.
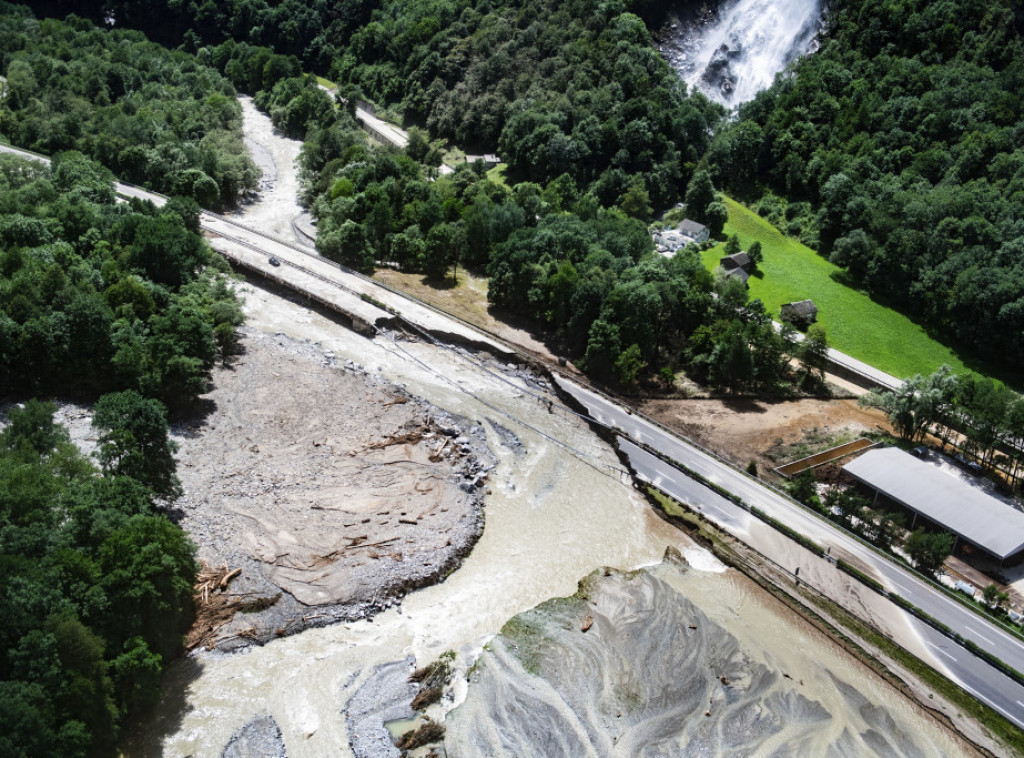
[[856, 324]]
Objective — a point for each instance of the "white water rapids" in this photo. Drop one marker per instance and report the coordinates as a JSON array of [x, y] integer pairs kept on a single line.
[[553, 515], [734, 57]]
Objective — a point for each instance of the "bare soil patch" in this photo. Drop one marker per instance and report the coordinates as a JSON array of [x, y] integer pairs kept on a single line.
[[767, 432], [333, 491], [466, 300]]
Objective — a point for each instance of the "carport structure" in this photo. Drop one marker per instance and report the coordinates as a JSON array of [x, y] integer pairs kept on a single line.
[[926, 490]]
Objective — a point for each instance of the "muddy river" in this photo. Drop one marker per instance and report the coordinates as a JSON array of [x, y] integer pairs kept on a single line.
[[559, 507]]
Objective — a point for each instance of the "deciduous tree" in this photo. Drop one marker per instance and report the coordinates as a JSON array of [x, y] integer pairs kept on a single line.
[[134, 441], [928, 550]]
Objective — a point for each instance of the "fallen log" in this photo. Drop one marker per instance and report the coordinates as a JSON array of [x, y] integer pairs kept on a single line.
[[228, 577], [372, 544]]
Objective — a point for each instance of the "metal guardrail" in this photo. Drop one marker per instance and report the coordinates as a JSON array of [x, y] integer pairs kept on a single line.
[[311, 252], [261, 271]]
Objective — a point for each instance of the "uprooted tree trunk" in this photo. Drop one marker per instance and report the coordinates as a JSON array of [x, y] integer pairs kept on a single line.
[[216, 607]]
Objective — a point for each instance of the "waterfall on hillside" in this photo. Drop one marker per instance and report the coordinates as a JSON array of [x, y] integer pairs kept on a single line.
[[737, 54]]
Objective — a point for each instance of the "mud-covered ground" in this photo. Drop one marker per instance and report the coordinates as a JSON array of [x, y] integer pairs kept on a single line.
[[630, 665], [767, 432], [332, 490]]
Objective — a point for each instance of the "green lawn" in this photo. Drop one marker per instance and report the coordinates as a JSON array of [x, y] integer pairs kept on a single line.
[[451, 156], [856, 324], [497, 174]]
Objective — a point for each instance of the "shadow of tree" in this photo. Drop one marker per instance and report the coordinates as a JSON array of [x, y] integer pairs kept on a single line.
[[744, 404], [146, 735]]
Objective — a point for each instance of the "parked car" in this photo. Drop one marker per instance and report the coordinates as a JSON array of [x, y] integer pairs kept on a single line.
[[971, 467], [965, 587], [920, 451]]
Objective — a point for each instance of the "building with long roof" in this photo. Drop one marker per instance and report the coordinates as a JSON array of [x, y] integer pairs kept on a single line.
[[971, 515]]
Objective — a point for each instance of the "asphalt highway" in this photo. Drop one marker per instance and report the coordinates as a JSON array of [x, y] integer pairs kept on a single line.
[[984, 681]]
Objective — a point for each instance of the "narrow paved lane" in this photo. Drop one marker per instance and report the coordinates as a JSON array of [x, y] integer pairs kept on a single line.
[[382, 129]]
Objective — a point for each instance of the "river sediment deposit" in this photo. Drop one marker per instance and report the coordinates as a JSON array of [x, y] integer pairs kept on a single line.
[[647, 663], [558, 506], [333, 491], [276, 205]]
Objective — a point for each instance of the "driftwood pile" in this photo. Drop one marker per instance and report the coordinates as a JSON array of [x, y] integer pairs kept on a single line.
[[214, 607]]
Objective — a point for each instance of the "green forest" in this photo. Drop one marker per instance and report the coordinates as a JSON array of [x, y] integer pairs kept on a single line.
[[554, 254], [120, 304], [894, 151], [155, 117], [97, 581], [559, 87], [116, 295]]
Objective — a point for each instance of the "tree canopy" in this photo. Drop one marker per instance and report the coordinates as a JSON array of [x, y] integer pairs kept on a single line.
[[133, 441], [97, 295], [96, 593], [556, 86], [895, 150], [155, 117], [985, 419]]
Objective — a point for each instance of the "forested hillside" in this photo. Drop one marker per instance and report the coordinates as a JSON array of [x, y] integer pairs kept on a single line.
[[894, 149], [95, 582], [898, 150], [98, 296], [308, 29], [559, 86], [154, 117]]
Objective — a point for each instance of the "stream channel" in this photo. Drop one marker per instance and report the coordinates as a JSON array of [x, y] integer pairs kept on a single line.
[[560, 507]]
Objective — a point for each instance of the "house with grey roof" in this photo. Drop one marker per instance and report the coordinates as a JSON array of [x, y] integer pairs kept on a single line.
[[738, 260], [800, 313], [694, 231]]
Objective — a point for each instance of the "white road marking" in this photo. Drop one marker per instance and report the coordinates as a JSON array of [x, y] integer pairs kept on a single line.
[[975, 631], [940, 650]]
